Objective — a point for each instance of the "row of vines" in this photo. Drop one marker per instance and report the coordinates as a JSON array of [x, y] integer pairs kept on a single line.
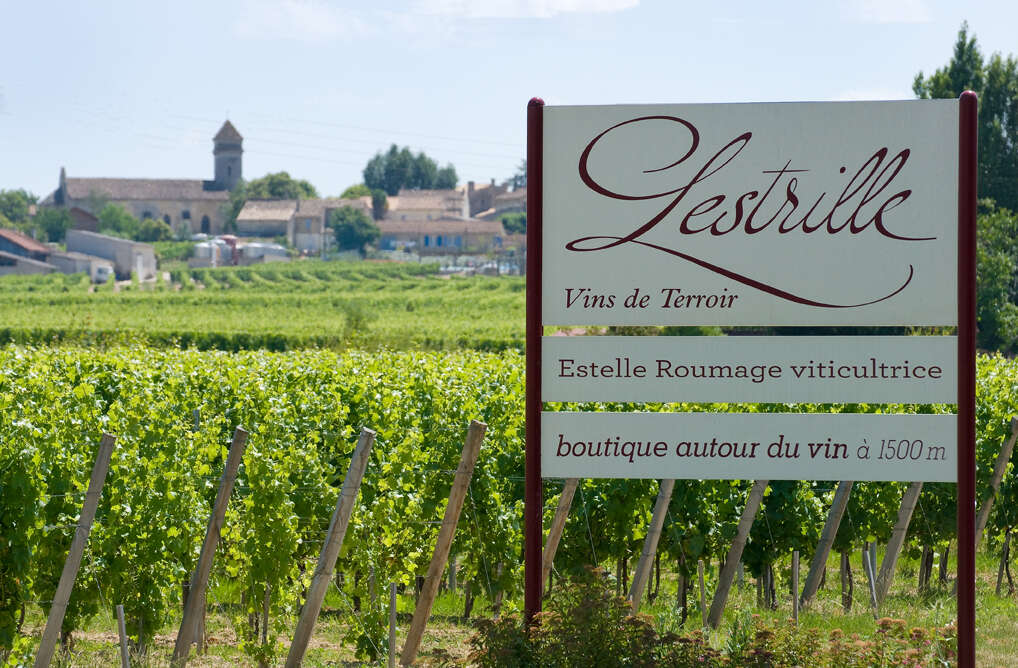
[[303, 411]]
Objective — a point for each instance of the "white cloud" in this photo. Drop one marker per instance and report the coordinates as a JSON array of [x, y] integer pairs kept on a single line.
[[519, 9], [888, 11], [299, 20]]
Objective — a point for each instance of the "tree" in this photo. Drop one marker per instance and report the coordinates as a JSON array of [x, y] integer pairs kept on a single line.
[[271, 186], [399, 168], [356, 190], [14, 204], [53, 223], [379, 203], [154, 230], [997, 285], [446, 178], [519, 178], [117, 221], [353, 228], [379, 200], [515, 223], [279, 186], [996, 83]]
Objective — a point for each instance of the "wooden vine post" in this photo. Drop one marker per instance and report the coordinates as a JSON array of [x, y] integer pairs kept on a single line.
[[897, 540], [703, 594], [869, 563], [330, 550], [63, 594], [998, 474], [657, 520], [125, 655], [557, 527], [460, 485], [830, 531], [200, 578], [795, 587], [392, 625], [734, 555]]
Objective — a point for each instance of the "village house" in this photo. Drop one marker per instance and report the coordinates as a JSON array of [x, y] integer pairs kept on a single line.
[[127, 256], [16, 243], [424, 205], [511, 202], [482, 197], [442, 237], [97, 268], [19, 264], [187, 205], [304, 222]]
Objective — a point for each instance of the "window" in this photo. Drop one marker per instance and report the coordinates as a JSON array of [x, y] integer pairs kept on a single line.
[[427, 240], [185, 214], [166, 218], [146, 214], [458, 241], [205, 225], [438, 240], [307, 224], [229, 170]]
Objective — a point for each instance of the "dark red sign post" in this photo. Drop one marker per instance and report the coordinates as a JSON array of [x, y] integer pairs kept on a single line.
[[967, 380], [533, 501], [562, 209]]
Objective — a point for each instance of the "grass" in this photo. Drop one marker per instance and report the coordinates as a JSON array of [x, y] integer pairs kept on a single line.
[[446, 641]]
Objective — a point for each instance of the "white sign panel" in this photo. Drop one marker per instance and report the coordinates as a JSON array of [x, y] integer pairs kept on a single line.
[[751, 214], [754, 446], [817, 369]]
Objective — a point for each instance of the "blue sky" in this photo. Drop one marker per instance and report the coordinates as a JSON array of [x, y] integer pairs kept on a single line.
[[137, 89]]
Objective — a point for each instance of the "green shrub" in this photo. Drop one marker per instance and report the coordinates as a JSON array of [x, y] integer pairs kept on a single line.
[[585, 624]]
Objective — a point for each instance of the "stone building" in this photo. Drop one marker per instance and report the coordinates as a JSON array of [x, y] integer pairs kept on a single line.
[[421, 205], [511, 202], [189, 206], [445, 236], [17, 243], [482, 197], [304, 222]]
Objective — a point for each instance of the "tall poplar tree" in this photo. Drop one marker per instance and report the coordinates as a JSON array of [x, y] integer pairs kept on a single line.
[[996, 83]]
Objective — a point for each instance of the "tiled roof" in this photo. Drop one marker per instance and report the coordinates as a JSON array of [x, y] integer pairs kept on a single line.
[[28, 243], [24, 260], [514, 196], [228, 133], [441, 226], [267, 209], [429, 200], [144, 189], [75, 255], [317, 207]]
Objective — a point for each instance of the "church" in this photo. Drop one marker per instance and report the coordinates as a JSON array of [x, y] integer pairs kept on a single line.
[[189, 206]]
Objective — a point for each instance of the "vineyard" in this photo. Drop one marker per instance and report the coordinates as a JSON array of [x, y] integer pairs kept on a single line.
[[273, 306], [174, 413]]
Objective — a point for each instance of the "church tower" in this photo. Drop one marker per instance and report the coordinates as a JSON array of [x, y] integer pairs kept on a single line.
[[227, 152]]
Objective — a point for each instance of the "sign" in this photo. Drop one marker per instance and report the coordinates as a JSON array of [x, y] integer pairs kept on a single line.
[[817, 369], [821, 214], [751, 214], [791, 214], [749, 446]]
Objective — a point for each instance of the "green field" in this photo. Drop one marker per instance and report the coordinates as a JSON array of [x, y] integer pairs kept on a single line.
[[303, 355], [303, 410], [274, 307]]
